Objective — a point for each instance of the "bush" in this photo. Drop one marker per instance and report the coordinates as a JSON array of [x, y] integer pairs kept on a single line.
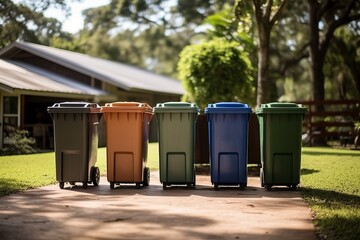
[[19, 143], [216, 71]]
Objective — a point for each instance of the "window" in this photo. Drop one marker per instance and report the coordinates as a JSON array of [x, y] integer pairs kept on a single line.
[[10, 116]]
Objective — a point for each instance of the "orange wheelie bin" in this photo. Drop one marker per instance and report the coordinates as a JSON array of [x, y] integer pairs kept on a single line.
[[127, 134]]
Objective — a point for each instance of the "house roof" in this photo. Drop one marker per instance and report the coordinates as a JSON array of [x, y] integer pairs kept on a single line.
[[121, 75], [16, 75]]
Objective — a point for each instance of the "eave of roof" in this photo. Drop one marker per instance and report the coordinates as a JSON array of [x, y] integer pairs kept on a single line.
[[121, 75], [27, 77]]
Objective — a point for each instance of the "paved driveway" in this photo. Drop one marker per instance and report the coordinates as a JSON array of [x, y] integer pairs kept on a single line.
[[152, 213]]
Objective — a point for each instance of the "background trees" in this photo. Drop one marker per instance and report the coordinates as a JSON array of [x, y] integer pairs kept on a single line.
[[303, 50], [25, 21]]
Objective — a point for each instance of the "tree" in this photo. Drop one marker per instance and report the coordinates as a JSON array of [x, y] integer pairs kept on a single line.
[[324, 18], [267, 13], [216, 71], [153, 31], [24, 20]]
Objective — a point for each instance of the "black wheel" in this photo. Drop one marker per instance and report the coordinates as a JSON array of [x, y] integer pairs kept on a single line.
[[72, 183], [95, 176], [242, 186], [138, 185], [85, 185], [216, 187], [112, 185], [61, 185], [268, 187], [146, 181], [294, 187], [164, 186]]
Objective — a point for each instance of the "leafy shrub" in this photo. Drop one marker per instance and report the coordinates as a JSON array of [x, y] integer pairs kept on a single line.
[[216, 71], [19, 143]]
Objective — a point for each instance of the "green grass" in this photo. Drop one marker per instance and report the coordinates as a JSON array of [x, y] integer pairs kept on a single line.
[[331, 185], [23, 172]]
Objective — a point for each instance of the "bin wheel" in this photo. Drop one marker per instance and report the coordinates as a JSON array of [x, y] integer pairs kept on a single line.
[[112, 185], [242, 186], [268, 187], [138, 185], [164, 186], [61, 185], [146, 177], [72, 183], [216, 187], [85, 185], [95, 176], [294, 187]]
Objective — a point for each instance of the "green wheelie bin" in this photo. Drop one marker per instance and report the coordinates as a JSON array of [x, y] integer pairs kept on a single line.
[[76, 142], [176, 130], [280, 143]]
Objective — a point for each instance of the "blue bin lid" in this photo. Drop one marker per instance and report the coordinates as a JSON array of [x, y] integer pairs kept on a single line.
[[228, 107], [170, 107], [74, 107], [281, 107]]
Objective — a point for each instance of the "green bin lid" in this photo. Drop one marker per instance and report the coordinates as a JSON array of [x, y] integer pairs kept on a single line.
[[228, 107], [74, 107], [126, 107], [170, 107], [280, 107]]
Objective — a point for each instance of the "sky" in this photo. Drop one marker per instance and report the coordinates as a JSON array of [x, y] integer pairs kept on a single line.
[[74, 22]]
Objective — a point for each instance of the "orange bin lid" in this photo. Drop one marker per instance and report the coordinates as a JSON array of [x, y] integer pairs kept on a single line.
[[127, 107]]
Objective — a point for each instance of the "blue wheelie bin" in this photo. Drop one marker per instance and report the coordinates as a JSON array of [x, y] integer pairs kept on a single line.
[[228, 138]]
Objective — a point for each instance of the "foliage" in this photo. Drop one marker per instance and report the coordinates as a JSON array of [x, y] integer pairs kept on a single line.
[[24, 20], [19, 143], [330, 184], [216, 71]]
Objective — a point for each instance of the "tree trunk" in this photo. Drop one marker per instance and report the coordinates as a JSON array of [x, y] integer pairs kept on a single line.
[[316, 58], [263, 86], [316, 69]]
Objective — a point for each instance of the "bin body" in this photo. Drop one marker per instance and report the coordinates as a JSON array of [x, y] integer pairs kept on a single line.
[[228, 142], [280, 126], [176, 128], [76, 140], [127, 135]]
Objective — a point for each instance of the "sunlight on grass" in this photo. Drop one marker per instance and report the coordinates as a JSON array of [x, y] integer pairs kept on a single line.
[[330, 184], [22, 172]]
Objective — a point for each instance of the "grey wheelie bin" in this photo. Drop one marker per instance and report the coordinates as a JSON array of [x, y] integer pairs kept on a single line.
[[280, 143], [176, 128], [228, 138], [76, 142]]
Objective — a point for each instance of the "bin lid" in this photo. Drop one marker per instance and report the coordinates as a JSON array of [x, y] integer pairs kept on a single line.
[[74, 107], [169, 107], [281, 107], [228, 107], [126, 107]]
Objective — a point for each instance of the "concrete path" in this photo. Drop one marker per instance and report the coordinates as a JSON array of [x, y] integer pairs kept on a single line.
[[152, 213]]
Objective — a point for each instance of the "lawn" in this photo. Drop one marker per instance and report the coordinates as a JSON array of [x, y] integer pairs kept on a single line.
[[330, 180], [331, 185], [22, 172]]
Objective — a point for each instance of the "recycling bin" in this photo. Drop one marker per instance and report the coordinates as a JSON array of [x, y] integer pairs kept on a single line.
[[76, 142], [228, 143], [280, 127], [176, 130], [127, 135]]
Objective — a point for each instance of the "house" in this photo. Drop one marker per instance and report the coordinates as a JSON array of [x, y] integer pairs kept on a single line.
[[34, 77]]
